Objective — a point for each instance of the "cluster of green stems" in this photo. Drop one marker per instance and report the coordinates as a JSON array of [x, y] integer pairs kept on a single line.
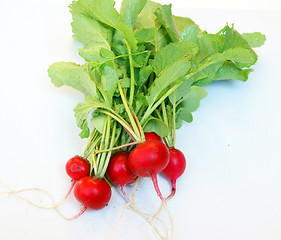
[[100, 146]]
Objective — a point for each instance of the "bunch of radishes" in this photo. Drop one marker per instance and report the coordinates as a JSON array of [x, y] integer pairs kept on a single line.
[[145, 160], [142, 78]]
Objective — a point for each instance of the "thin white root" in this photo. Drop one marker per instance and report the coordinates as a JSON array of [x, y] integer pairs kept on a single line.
[[145, 216], [54, 207], [170, 219], [164, 204], [157, 213]]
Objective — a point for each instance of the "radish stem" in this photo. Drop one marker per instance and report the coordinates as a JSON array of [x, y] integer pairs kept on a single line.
[[119, 147], [173, 182], [83, 209], [155, 184]]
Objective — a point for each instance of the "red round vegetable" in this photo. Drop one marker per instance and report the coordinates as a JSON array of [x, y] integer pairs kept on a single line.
[[150, 136], [148, 159], [175, 168], [93, 193], [77, 167], [118, 171]]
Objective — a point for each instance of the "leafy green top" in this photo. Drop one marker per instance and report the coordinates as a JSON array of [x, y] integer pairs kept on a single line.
[[144, 69]]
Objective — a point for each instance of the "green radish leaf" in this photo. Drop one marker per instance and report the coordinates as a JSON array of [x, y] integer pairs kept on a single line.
[[155, 36], [105, 12], [192, 98], [72, 75], [164, 14], [91, 32], [140, 60], [206, 75], [145, 35], [149, 29], [204, 81], [180, 92], [255, 39], [185, 115], [230, 71], [130, 10], [105, 53], [98, 121], [77, 8], [238, 54], [147, 18], [92, 54], [140, 102], [144, 74], [108, 83], [233, 39], [157, 126], [183, 22], [85, 131], [172, 53], [188, 104], [171, 75], [119, 108], [125, 82], [81, 112], [209, 44], [190, 34]]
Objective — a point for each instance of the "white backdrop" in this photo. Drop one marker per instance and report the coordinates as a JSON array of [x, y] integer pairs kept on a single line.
[[232, 186]]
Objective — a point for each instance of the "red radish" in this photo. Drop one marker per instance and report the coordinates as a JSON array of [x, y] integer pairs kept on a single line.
[[77, 167], [175, 168], [118, 171], [150, 136], [148, 159], [93, 193]]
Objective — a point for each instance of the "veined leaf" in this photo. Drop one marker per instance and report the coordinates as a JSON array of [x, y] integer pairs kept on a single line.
[[105, 12], [232, 38], [230, 71], [147, 18], [188, 104], [207, 74], [156, 36], [208, 45], [180, 92], [92, 54], [238, 54], [144, 73], [145, 35], [90, 32], [81, 112], [140, 102], [76, 8], [183, 114], [105, 53], [108, 84], [140, 60], [149, 28], [190, 34], [171, 54], [157, 126], [72, 75], [98, 121], [169, 76], [255, 39], [183, 22], [130, 10], [164, 14], [192, 98]]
